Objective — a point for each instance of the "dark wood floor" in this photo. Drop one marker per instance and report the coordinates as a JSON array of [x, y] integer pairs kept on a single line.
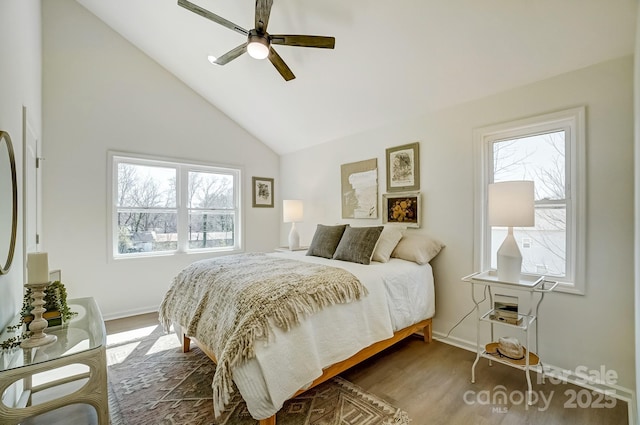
[[432, 383]]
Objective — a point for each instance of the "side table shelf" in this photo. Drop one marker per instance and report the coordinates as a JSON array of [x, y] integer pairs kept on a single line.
[[526, 320], [533, 287], [80, 341]]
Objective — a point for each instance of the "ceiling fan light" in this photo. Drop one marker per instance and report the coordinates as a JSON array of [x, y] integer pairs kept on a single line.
[[258, 49], [212, 59]]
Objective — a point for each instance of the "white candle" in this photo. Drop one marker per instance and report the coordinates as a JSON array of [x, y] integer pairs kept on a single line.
[[37, 267]]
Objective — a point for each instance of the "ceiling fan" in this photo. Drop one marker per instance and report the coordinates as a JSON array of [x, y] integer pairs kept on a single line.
[[259, 41]]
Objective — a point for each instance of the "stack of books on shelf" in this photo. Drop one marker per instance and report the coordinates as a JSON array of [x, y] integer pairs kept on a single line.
[[505, 309]]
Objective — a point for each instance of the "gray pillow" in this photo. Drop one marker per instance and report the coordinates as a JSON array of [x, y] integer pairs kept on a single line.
[[357, 244], [325, 240]]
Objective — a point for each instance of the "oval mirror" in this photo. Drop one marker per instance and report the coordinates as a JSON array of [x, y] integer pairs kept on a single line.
[[8, 202]]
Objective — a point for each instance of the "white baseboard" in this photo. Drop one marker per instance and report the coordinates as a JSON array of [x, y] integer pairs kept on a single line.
[[129, 313], [554, 372]]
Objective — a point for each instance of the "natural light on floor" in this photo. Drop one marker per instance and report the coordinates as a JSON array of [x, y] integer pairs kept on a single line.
[[119, 353], [121, 345], [131, 335], [164, 343]]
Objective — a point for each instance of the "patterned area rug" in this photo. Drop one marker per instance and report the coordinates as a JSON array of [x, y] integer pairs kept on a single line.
[[152, 382]]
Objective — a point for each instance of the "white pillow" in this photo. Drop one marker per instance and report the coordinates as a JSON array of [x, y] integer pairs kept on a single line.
[[417, 248], [387, 241]]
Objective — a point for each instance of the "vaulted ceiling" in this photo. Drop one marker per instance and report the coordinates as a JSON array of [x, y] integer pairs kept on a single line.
[[392, 59]]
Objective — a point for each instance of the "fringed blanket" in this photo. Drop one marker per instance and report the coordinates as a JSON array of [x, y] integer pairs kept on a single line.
[[229, 302]]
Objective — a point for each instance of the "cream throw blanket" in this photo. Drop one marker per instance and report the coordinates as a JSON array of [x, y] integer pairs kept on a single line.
[[229, 303]]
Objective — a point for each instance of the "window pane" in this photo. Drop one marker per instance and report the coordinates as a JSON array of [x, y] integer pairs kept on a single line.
[[540, 158], [211, 191], [143, 186], [211, 230], [543, 247], [147, 232]]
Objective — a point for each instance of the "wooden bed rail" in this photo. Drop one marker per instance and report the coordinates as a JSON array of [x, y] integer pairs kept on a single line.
[[425, 326]]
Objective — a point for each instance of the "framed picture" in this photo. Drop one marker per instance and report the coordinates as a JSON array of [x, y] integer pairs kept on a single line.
[[360, 189], [402, 208], [262, 192], [403, 168]]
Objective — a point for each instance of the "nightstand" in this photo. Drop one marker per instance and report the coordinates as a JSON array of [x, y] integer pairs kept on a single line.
[[286, 249], [534, 288]]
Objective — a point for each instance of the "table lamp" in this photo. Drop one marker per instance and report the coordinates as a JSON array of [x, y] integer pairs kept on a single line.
[[292, 213], [510, 204]]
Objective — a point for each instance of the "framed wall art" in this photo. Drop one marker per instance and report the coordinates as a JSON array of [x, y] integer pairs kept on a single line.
[[402, 208], [403, 168], [359, 182], [262, 192]]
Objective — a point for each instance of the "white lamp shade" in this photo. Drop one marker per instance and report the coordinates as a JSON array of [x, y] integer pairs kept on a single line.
[[511, 204], [292, 211]]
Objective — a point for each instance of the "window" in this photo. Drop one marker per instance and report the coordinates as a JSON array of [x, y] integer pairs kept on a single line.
[[550, 151], [165, 207]]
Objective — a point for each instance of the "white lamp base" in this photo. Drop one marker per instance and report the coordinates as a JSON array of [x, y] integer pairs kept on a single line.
[[509, 259], [294, 238]]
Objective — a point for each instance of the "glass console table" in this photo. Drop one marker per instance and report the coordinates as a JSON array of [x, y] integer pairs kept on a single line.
[[80, 342]]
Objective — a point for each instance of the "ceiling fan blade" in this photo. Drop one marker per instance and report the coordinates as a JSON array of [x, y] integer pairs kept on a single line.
[[231, 55], [282, 67], [304, 40], [212, 16], [263, 11]]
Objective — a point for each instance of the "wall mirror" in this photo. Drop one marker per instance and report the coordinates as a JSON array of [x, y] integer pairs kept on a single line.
[[8, 202]]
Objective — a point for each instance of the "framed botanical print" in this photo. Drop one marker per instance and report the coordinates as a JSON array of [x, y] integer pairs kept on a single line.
[[262, 192], [403, 168], [402, 208]]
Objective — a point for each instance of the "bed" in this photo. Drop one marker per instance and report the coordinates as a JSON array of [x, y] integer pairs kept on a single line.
[[398, 300]]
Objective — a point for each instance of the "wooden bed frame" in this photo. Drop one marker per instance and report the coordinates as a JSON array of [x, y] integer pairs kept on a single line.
[[335, 369]]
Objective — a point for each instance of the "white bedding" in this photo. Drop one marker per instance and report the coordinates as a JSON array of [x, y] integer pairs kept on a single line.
[[400, 293]]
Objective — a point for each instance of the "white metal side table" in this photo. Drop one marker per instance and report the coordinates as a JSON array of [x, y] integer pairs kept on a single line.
[[535, 288], [82, 341]]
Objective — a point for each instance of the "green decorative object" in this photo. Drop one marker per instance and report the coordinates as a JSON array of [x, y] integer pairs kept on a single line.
[[55, 299]]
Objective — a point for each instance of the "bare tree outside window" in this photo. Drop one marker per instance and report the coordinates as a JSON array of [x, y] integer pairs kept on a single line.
[[211, 210], [540, 158], [148, 216]]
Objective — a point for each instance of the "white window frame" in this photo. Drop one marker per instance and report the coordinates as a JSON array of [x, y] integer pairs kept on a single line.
[[572, 121], [183, 168]]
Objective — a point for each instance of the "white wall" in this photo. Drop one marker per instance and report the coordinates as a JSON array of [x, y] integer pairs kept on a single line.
[[20, 85], [591, 330], [100, 93], [636, 121]]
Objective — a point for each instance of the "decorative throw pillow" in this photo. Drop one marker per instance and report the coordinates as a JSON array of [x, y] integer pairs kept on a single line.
[[417, 248], [325, 240], [389, 238], [357, 244]]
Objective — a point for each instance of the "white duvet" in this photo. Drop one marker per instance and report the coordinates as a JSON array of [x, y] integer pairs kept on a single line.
[[400, 293]]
